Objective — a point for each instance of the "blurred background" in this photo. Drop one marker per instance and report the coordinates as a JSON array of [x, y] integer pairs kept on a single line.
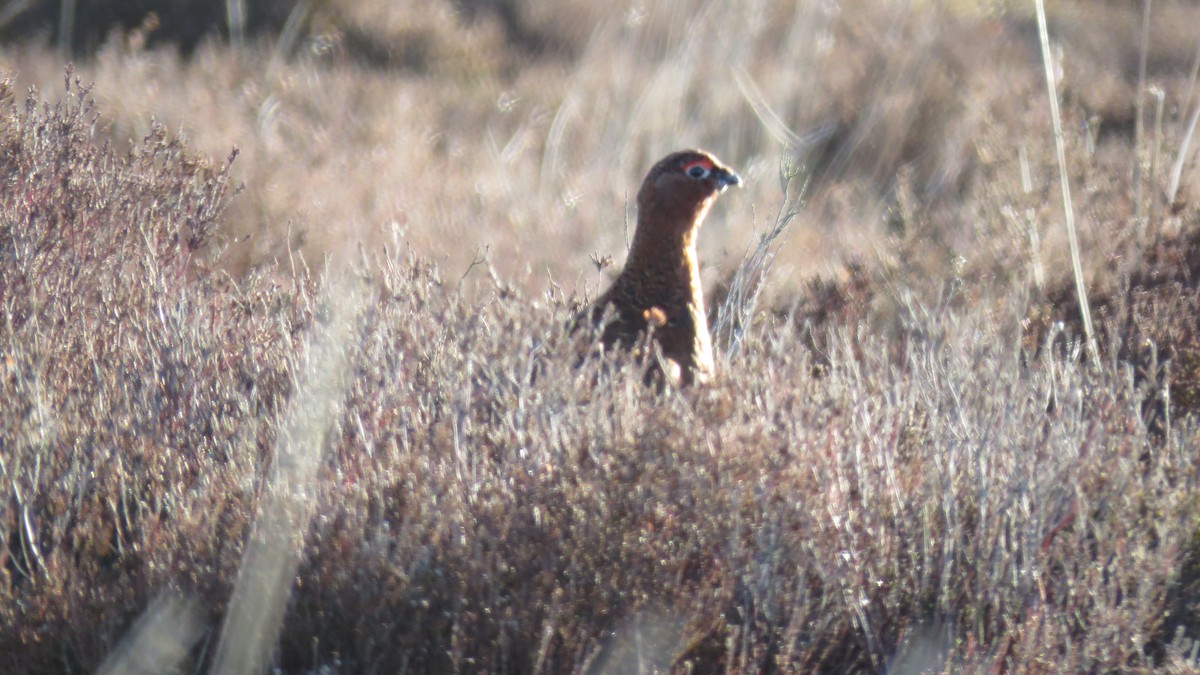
[[914, 137]]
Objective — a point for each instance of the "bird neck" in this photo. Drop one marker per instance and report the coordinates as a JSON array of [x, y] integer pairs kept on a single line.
[[665, 240]]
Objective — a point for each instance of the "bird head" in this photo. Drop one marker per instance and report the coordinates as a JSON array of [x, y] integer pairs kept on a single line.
[[681, 187]]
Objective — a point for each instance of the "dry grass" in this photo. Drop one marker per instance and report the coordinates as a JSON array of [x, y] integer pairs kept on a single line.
[[906, 465]]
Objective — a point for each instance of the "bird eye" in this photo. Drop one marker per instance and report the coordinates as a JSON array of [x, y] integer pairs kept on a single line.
[[697, 171]]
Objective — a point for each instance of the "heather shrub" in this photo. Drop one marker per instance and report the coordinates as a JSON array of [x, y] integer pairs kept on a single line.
[[778, 521], [139, 389], [935, 496]]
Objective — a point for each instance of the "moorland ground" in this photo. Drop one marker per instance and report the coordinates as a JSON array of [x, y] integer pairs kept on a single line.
[[311, 404]]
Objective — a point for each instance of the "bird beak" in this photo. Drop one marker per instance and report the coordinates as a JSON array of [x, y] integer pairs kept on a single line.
[[725, 178]]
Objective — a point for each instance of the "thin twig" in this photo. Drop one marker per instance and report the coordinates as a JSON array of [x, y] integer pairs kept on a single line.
[[736, 312]]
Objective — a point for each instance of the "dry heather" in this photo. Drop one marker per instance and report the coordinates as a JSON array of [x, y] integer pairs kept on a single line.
[[906, 467]]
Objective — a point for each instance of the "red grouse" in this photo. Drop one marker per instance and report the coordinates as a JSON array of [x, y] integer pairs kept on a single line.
[[658, 293]]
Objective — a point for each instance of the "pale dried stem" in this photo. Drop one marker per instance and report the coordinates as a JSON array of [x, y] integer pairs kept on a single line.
[[1068, 209]]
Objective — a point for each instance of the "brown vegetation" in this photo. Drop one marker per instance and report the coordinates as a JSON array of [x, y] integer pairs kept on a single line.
[[905, 465]]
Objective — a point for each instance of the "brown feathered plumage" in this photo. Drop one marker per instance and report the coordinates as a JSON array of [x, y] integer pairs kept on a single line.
[[659, 289]]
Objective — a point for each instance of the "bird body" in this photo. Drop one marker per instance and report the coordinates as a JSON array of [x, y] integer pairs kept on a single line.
[[658, 292]]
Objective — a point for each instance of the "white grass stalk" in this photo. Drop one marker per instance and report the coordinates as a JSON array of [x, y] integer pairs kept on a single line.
[[235, 18], [1191, 89], [66, 26], [1068, 209], [297, 19], [1155, 151], [1139, 133], [1188, 102], [159, 642], [771, 122], [1035, 239], [1177, 168], [1026, 174], [274, 549]]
